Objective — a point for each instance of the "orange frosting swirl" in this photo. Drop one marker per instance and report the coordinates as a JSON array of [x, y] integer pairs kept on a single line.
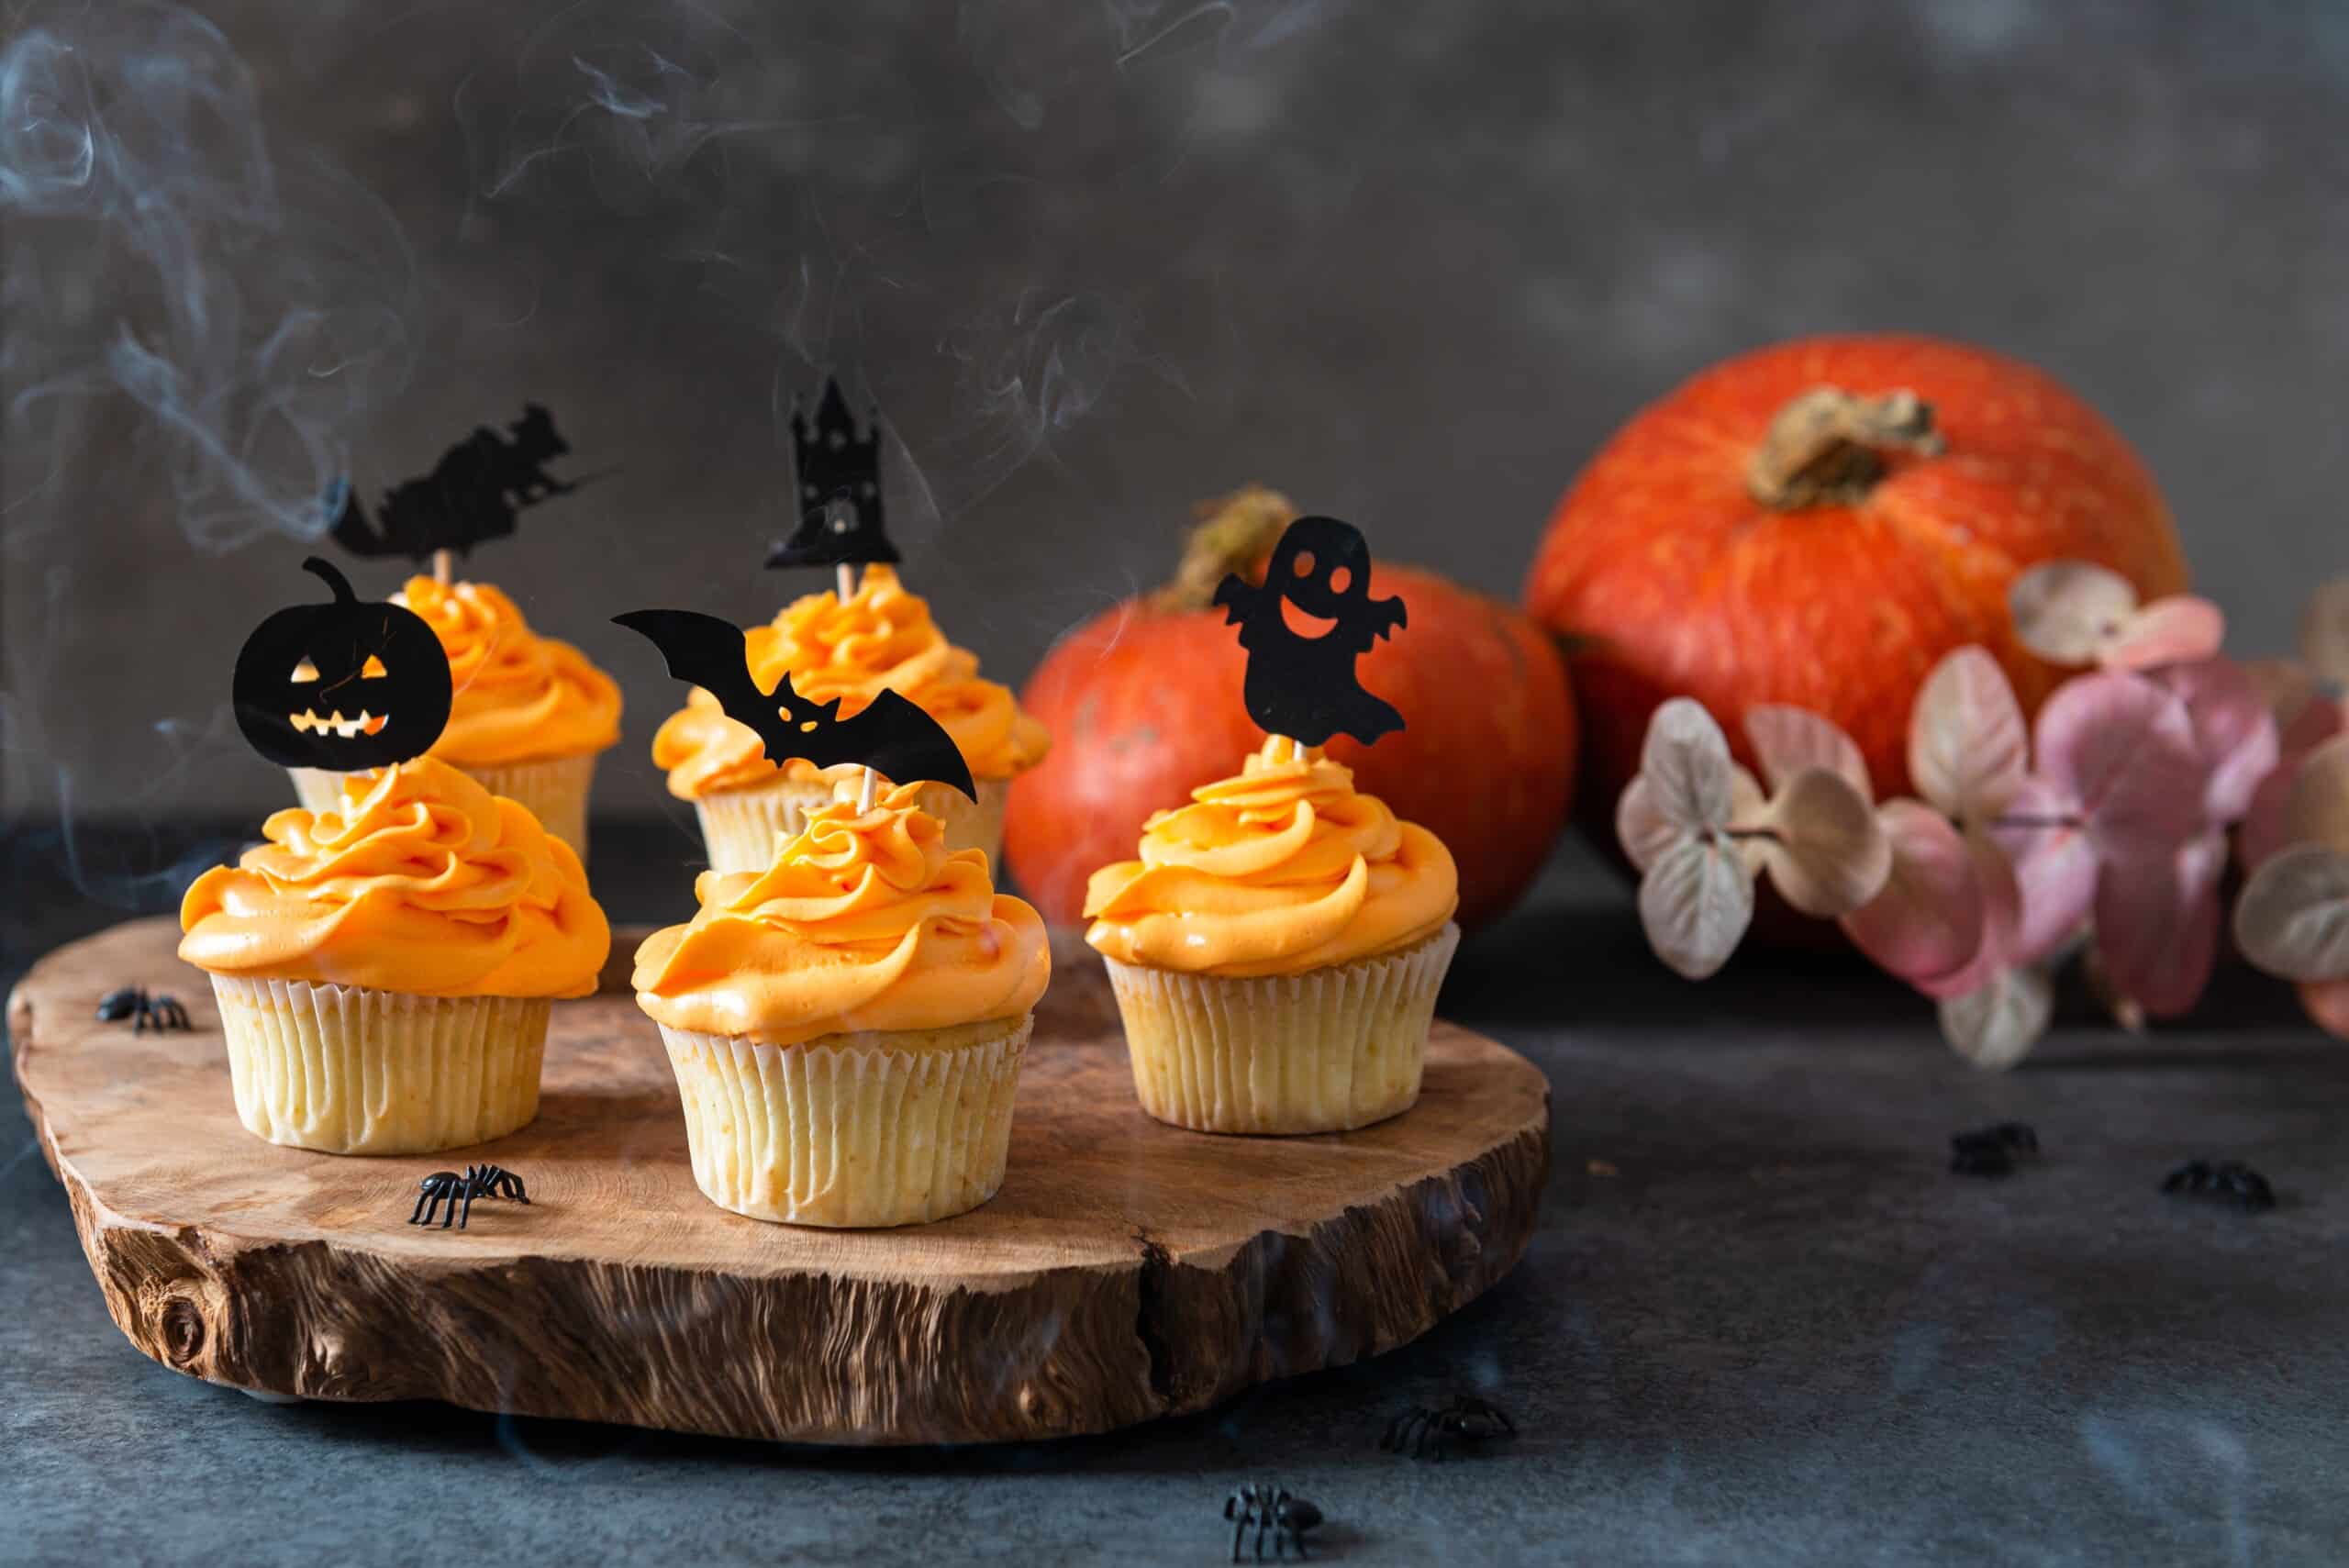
[[881, 637], [424, 883], [1277, 871], [519, 696], [865, 921]]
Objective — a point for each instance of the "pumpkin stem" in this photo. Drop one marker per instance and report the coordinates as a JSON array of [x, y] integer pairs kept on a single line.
[[1828, 447], [327, 572], [1235, 533]]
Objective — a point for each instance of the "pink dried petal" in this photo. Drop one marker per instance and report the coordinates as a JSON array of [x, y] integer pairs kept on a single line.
[[1788, 739], [2157, 924], [1995, 1025], [1823, 847], [2181, 629], [2065, 610], [2123, 748], [1927, 921], [2324, 632], [2235, 735], [2055, 867], [1696, 903], [2001, 919], [1640, 827], [2292, 919], [1684, 759], [1967, 745]]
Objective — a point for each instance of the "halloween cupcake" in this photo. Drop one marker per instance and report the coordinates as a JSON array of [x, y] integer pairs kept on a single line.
[[880, 638], [529, 713], [384, 966], [1276, 950], [847, 1021]]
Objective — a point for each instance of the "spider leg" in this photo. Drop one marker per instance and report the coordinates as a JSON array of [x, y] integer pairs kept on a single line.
[[465, 1218], [1240, 1514], [423, 1196]]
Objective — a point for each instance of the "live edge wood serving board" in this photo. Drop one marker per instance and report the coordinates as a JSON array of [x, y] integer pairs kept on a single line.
[[1126, 1271]]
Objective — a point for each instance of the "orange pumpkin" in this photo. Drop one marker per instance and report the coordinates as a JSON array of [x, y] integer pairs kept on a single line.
[[1143, 702], [1818, 523]]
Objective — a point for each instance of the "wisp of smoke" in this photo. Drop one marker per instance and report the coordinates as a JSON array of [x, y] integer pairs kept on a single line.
[[255, 313]]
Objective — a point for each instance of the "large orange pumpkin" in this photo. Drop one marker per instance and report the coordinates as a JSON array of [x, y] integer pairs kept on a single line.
[[1144, 706], [1818, 523]]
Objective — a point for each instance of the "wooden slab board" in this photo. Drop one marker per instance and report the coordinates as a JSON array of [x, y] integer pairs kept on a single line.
[[1126, 1271]]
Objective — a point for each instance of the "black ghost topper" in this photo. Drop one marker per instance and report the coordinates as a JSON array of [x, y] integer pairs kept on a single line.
[[889, 735], [839, 496], [1301, 682], [472, 493], [344, 685]]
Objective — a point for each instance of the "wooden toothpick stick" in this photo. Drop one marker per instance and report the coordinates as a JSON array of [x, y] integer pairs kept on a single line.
[[847, 581], [444, 566], [871, 780]]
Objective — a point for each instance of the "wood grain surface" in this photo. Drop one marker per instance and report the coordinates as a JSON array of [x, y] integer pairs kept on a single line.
[[1126, 1271]]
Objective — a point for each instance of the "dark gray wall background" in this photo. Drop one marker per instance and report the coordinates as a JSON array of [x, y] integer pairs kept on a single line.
[[1411, 263]]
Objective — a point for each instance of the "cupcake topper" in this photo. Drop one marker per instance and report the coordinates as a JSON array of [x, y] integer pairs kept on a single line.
[[342, 687], [889, 735], [1301, 682], [471, 494], [839, 497]]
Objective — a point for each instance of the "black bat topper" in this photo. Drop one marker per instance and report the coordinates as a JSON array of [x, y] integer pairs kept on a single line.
[[345, 685], [472, 493], [840, 490], [1301, 684], [890, 735]]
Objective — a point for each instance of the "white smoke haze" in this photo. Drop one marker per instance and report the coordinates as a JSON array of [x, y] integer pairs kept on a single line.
[[255, 311]]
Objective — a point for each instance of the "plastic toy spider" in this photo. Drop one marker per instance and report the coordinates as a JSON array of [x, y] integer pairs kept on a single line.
[[158, 1013], [2230, 1182], [1425, 1433], [1991, 1151], [1270, 1509], [459, 1192]]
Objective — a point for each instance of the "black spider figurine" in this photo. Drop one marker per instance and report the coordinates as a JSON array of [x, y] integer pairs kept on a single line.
[[1424, 1433], [459, 1191], [146, 1012], [1270, 1509], [2228, 1181], [1991, 1151]]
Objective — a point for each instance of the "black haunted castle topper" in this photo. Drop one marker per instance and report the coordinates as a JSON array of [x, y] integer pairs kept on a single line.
[[472, 493], [840, 490], [889, 735], [1302, 677], [345, 685]]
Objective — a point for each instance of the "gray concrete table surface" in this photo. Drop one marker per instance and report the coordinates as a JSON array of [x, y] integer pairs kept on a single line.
[[1760, 1322]]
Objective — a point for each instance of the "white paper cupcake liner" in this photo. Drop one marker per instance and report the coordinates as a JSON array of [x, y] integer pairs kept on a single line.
[[555, 790], [848, 1134], [1326, 1051], [739, 826], [351, 1071]]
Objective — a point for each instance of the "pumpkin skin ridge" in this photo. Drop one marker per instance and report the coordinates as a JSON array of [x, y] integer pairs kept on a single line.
[[2031, 473]]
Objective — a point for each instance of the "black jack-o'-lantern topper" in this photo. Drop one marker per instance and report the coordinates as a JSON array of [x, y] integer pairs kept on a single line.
[[891, 736], [839, 493], [345, 685], [1304, 628], [472, 493]]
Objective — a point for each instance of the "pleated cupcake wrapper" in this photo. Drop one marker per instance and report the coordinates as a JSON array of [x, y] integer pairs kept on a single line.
[[555, 790], [739, 826], [847, 1135], [1329, 1050], [351, 1071]]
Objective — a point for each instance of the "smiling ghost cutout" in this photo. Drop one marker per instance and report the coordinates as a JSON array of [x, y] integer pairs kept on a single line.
[[1301, 682], [342, 687]]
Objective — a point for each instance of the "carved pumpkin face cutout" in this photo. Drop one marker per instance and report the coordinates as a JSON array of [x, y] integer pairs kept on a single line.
[[344, 685]]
